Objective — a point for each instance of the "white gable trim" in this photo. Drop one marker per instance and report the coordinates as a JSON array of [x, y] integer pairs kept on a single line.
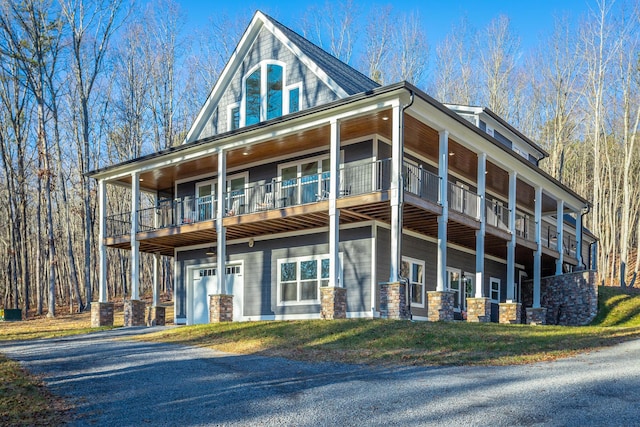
[[248, 38], [319, 72]]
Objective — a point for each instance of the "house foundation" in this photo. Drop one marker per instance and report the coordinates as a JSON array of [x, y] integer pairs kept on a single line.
[[220, 308], [334, 303], [393, 301], [440, 306], [536, 316], [509, 312], [478, 310], [155, 316], [101, 314], [134, 313]]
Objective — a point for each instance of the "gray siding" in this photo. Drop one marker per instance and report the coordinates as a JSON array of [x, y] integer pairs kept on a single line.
[[268, 47], [260, 270]]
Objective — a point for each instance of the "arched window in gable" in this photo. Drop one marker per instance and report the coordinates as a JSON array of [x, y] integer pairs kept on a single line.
[[265, 96]]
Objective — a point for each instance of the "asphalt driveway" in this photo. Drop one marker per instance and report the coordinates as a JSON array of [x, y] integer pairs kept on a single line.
[[130, 383]]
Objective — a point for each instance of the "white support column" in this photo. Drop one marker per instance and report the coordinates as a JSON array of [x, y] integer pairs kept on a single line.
[[511, 245], [221, 249], [560, 240], [396, 195], [579, 237], [135, 245], [482, 179], [443, 172], [102, 206], [334, 213], [537, 255]]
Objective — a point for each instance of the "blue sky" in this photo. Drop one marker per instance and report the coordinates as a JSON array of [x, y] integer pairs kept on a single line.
[[529, 19]]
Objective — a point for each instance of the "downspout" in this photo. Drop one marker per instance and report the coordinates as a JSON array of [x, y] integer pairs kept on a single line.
[[401, 205]]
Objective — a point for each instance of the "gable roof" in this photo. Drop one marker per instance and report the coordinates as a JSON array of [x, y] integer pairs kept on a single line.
[[341, 78]]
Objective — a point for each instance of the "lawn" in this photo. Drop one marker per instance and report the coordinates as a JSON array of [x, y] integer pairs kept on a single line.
[[366, 341]]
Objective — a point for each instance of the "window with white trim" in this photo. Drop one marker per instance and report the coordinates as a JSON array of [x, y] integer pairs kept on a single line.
[[264, 96], [300, 279], [494, 289], [413, 270], [454, 280]]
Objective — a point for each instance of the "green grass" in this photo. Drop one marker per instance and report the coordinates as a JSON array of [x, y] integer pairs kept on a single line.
[[418, 343], [24, 401]]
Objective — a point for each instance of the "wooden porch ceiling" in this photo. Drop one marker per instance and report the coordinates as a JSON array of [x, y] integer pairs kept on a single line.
[[316, 138]]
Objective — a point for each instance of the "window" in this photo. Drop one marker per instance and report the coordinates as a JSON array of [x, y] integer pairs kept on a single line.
[[234, 116], [495, 289], [305, 182], [413, 271], [252, 98], [265, 96], [294, 100], [300, 279]]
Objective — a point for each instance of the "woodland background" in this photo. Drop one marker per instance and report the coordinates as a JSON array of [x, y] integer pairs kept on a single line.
[[88, 83]]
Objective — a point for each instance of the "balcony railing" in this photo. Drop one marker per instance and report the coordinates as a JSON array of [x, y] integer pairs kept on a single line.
[[118, 224], [497, 214], [525, 227], [464, 200], [421, 182]]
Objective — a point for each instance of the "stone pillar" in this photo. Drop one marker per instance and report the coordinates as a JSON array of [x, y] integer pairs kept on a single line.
[[155, 316], [334, 302], [510, 312], [393, 301], [536, 316], [478, 310], [220, 308], [101, 314], [134, 313], [440, 306]]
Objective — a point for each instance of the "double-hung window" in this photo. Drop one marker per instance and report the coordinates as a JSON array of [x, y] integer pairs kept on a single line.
[[300, 279]]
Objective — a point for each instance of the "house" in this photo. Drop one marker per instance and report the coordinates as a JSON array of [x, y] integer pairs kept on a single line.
[[325, 195]]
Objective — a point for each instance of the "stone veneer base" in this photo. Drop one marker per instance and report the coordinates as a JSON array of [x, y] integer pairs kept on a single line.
[[510, 312], [333, 302], [134, 313], [101, 314], [220, 308], [393, 301], [536, 316], [440, 306], [155, 316], [478, 310]]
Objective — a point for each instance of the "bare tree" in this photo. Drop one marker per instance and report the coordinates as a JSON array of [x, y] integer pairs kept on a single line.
[[333, 27], [378, 40], [409, 57]]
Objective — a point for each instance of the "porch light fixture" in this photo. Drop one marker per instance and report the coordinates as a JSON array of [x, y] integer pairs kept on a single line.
[[211, 252]]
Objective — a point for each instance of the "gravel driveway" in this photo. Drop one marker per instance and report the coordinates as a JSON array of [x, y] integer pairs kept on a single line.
[[127, 383]]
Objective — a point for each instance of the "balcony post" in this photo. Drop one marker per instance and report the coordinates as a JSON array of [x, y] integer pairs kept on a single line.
[[443, 171], [579, 237], [560, 240], [537, 255], [396, 194], [221, 249], [482, 168], [102, 206], [511, 245], [334, 213], [135, 245]]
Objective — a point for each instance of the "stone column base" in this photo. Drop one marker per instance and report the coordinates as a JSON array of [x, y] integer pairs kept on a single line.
[[478, 310], [510, 312], [334, 302], [536, 316], [393, 301], [220, 308], [155, 316], [101, 314], [134, 313], [440, 306]]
